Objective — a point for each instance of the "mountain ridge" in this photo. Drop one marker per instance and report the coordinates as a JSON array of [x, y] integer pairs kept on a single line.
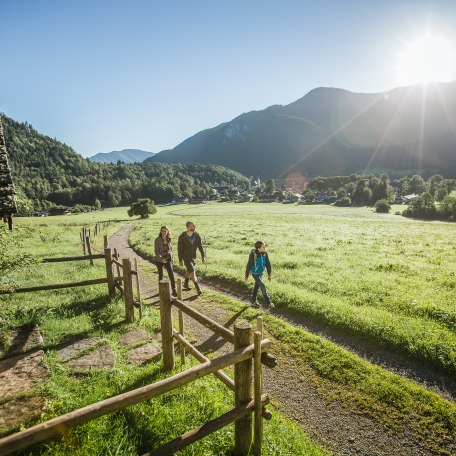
[[333, 131], [124, 155]]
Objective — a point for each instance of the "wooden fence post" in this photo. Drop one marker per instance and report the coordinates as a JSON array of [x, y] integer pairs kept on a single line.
[[105, 241], [258, 391], [89, 249], [138, 289], [243, 388], [109, 274], [128, 290], [166, 320], [83, 241], [181, 320]]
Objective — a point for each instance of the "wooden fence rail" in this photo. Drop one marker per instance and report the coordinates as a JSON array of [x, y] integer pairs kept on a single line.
[[242, 385], [61, 424]]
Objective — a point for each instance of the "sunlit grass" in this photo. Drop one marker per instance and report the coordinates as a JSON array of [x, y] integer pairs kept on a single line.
[[72, 314], [380, 275]]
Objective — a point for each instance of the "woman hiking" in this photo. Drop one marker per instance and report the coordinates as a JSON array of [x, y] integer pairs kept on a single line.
[[164, 256]]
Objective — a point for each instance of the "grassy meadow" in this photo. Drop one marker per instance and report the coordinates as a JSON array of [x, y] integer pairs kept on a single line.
[[381, 276], [72, 314]]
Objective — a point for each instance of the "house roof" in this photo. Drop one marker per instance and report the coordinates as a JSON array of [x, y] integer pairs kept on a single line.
[[7, 193]]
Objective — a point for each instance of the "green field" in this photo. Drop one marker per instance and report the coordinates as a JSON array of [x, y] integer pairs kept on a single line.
[[381, 276], [71, 314]]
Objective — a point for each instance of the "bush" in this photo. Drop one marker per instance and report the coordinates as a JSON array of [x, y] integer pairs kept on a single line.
[[382, 206], [143, 207], [343, 202], [422, 207], [447, 208]]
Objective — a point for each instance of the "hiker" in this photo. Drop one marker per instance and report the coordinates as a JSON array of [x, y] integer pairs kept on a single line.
[[164, 256], [189, 242], [258, 262]]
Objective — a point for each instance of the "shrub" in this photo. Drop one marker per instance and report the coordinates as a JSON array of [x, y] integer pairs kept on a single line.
[[382, 206], [447, 208], [422, 207], [343, 202], [143, 207]]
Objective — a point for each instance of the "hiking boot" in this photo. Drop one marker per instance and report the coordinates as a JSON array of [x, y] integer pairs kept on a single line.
[[271, 305], [186, 285], [174, 293], [198, 289], [255, 303]]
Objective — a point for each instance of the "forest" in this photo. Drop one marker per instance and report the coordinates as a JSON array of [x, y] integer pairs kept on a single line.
[[49, 173]]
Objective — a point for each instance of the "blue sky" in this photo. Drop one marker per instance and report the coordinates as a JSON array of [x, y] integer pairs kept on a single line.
[[107, 75]]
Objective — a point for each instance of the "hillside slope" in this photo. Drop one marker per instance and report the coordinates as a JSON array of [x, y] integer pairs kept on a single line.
[[47, 172], [335, 132]]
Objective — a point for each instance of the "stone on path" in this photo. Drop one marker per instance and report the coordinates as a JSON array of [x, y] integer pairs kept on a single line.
[[23, 340], [101, 358], [21, 373], [78, 347], [18, 411], [144, 354], [134, 336]]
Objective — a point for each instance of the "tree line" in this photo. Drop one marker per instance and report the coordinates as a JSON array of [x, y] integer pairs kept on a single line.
[[48, 173]]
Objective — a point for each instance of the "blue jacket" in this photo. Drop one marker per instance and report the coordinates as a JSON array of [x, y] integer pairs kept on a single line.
[[257, 263]]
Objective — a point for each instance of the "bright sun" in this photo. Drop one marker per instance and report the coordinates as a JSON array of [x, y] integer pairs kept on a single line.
[[428, 58]]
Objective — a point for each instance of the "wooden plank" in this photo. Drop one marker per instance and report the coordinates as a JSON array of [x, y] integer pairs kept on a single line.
[[166, 323], [61, 424], [205, 321], [200, 357], [55, 286], [128, 290], [242, 388], [75, 258], [207, 428], [89, 248], [258, 392], [109, 274]]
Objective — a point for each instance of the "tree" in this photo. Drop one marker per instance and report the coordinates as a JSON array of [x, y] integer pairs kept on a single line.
[[382, 206], [448, 208], [143, 207], [417, 185], [422, 207], [269, 186]]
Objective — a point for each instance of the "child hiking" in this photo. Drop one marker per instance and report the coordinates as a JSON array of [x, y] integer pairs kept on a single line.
[[258, 262]]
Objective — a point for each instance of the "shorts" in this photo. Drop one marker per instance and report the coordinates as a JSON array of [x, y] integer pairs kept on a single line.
[[190, 264]]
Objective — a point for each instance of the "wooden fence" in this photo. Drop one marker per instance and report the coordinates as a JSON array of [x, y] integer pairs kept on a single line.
[[242, 384], [122, 281], [245, 352]]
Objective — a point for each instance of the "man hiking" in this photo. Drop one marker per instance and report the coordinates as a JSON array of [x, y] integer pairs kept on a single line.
[[189, 241]]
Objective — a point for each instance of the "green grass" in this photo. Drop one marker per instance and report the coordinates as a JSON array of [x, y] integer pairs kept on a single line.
[[381, 276], [69, 314], [395, 403]]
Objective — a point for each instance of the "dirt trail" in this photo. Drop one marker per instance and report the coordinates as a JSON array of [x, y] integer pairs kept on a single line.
[[332, 425]]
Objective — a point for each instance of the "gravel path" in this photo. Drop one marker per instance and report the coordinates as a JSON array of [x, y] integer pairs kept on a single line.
[[339, 430]]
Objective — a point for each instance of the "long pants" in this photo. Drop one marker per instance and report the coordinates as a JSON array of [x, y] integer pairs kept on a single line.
[[259, 284], [169, 269]]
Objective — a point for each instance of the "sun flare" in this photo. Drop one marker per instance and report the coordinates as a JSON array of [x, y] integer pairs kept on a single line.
[[428, 58]]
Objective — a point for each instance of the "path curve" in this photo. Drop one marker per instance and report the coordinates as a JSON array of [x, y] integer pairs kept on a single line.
[[340, 431]]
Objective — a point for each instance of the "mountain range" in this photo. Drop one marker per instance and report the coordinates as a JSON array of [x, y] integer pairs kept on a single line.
[[125, 156], [333, 131]]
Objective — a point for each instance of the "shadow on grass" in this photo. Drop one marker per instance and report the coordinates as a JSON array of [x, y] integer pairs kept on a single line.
[[214, 342]]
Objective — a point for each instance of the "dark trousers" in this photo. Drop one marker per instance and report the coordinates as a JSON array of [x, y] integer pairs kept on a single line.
[[259, 285], [169, 269]]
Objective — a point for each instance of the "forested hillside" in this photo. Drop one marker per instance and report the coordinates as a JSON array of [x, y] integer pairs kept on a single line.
[[47, 172]]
